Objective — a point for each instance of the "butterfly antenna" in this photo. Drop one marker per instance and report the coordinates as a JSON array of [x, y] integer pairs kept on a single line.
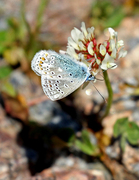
[[100, 93], [101, 74], [99, 79]]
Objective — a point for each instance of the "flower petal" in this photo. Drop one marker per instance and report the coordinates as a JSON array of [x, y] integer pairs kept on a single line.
[[91, 30], [82, 46], [103, 66], [62, 52], [83, 28], [113, 34], [82, 37], [113, 54], [112, 44], [122, 53], [72, 53], [108, 62], [72, 43], [102, 50], [75, 33], [120, 43], [90, 48]]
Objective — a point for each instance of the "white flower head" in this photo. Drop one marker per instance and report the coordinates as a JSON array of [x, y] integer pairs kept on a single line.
[[108, 63], [83, 46]]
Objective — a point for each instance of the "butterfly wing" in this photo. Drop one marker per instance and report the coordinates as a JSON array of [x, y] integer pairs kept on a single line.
[[60, 74], [58, 89]]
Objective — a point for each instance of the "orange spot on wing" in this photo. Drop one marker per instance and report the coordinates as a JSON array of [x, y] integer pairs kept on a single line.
[[43, 58]]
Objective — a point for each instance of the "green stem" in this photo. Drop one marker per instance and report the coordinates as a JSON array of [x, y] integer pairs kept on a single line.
[[110, 94]]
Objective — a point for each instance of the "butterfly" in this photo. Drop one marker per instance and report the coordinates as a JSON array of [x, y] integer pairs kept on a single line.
[[60, 73]]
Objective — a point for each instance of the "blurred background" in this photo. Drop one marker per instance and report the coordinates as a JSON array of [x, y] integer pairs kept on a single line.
[[67, 139]]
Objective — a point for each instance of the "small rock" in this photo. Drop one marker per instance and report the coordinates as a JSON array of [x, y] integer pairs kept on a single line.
[[49, 113], [113, 151], [131, 159], [129, 104], [135, 115]]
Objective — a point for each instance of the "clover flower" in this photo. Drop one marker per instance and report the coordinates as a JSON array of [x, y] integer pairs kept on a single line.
[[82, 45]]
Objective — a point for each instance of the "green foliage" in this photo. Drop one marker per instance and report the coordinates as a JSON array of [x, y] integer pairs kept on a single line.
[[5, 71], [19, 43], [105, 14], [20, 37], [6, 86], [85, 144], [127, 131], [120, 126], [132, 133], [8, 89]]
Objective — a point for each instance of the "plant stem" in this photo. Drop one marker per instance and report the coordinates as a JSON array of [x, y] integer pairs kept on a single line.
[[110, 94]]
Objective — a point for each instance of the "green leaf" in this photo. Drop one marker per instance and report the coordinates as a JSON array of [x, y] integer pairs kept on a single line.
[[132, 130], [3, 35], [86, 138], [84, 147], [2, 40], [123, 142], [5, 71], [9, 89], [120, 126], [41, 8]]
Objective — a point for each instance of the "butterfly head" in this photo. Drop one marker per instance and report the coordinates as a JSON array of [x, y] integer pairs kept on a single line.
[[91, 78]]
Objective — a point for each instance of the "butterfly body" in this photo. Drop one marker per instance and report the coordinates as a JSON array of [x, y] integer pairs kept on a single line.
[[60, 74]]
